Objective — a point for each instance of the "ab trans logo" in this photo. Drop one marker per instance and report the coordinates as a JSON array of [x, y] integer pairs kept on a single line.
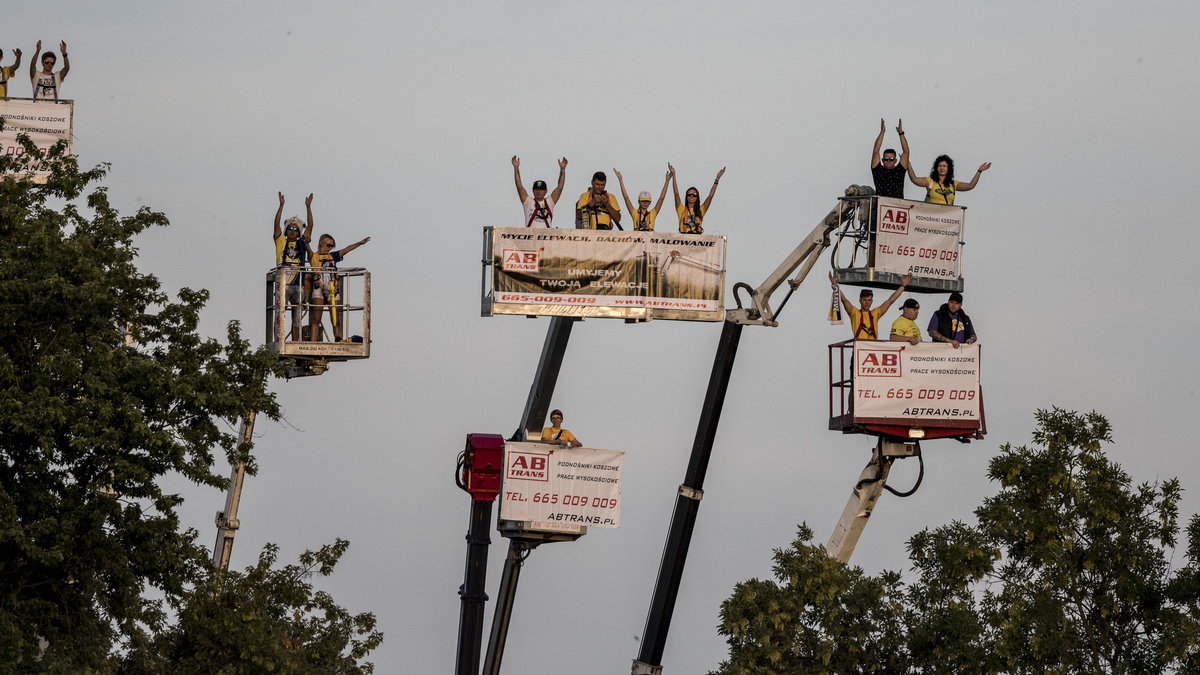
[[894, 219], [528, 466], [521, 260], [878, 363]]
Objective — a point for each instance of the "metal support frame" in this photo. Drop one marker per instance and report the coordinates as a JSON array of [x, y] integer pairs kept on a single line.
[[227, 521], [687, 504], [472, 594], [864, 496], [518, 551]]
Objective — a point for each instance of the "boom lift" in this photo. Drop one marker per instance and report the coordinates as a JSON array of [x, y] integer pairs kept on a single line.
[[306, 358], [856, 216]]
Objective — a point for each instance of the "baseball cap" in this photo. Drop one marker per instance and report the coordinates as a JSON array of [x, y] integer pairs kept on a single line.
[[956, 297], [644, 196], [539, 185], [912, 303]]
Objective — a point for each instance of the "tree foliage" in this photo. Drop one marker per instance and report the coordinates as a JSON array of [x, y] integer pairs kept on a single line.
[[105, 388], [1067, 570]]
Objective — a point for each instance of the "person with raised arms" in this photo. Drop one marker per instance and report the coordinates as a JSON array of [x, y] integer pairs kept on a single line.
[[643, 216], [690, 211], [46, 84], [539, 208], [8, 72]]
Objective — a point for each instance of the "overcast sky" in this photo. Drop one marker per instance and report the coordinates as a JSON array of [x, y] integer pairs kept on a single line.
[[402, 117]]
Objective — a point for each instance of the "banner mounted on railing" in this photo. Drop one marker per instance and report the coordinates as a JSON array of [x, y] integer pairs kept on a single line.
[[45, 122], [921, 384], [580, 486], [918, 238], [631, 275]]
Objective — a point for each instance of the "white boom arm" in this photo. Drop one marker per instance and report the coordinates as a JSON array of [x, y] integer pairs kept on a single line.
[[863, 498]]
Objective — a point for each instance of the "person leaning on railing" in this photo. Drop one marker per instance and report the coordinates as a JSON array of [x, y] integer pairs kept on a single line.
[[950, 324], [556, 435]]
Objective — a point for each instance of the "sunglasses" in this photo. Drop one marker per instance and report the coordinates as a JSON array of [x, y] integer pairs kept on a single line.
[[889, 159]]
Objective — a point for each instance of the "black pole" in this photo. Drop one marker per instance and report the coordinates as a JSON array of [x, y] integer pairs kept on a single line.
[[687, 504], [517, 552], [470, 618], [542, 389]]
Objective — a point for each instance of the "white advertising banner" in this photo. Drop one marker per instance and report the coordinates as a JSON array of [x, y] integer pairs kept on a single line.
[[45, 122], [918, 238], [578, 486], [898, 382], [606, 273]]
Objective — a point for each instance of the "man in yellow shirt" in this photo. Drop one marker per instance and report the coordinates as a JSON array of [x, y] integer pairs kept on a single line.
[[556, 435], [7, 72], [864, 321], [596, 208], [904, 328]]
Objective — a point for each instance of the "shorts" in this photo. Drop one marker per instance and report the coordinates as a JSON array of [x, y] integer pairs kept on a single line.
[[293, 301]]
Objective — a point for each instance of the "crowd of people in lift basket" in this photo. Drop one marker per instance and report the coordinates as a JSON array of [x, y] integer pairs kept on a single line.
[[46, 82], [598, 209], [311, 278], [889, 172]]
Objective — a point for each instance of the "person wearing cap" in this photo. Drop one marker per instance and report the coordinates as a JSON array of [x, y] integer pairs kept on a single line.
[[643, 216], [690, 211], [8, 72], [904, 328], [597, 209], [557, 435], [47, 82], [292, 251], [539, 208], [885, 171], [951, 324], [864, 320]]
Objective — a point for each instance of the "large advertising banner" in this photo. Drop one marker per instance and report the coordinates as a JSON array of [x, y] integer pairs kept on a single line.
[[578, 486], [632, 275], [45, 122], [931, 384], [918, 238]]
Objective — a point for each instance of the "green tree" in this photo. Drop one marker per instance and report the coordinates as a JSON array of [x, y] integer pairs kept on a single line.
[[105, 387], [1067, 570]]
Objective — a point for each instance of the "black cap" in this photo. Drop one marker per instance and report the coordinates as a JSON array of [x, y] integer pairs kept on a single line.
[[956, 297], [912, 303], [539, 185]]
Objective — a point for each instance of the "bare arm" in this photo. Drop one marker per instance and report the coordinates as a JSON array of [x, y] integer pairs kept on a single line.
[[896, 337], [964, 187], [62, 74], [919, 181], [878, 144], [521, 193], [353, 246], [16, 64], [845, 300], [712, 191], [674, 185], [278, 216], [307, 236], [663, 195], [621, 180], [562, 180], [904, 281], [903, 145], [37, 57]]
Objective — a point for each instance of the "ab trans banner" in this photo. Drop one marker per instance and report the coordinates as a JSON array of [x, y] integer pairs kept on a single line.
[[44, 122], [546, 484], [918, 238], [923, 385], [604, 273]]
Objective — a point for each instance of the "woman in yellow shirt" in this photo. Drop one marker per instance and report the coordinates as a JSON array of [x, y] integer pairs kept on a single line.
[[941, 187], [643, 215], [690, 211]]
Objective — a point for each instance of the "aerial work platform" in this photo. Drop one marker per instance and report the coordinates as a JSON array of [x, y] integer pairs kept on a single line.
[[902, 391], [885, 238], [351, 307]]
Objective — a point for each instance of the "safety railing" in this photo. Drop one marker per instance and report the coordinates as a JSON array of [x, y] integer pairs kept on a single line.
[[315, 313]]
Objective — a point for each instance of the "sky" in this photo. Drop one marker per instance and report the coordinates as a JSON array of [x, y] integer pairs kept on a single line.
[[402, 117]]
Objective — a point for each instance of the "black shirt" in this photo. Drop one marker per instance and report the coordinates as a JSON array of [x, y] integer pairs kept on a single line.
[[889, 182]]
